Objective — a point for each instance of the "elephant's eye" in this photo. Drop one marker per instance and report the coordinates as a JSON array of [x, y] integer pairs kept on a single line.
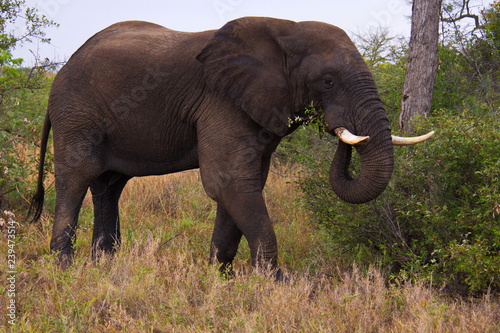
[[328, 83]]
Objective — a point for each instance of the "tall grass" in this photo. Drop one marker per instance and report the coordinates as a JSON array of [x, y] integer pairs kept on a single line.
[[159, 280]]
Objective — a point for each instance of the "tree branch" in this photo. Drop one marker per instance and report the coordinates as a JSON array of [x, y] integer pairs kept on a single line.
[[461, 17]]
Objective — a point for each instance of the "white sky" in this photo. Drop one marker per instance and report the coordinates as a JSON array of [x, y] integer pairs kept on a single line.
[[80, 19]]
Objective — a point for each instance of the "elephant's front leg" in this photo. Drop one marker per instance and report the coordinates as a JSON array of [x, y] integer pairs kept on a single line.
[[234, 161], [241, 210], [225, 240]]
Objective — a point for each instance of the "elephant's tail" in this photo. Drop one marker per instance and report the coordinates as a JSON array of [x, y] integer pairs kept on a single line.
[[37, 201]]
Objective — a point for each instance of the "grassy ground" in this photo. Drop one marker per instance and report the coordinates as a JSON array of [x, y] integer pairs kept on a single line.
[[160, 281]]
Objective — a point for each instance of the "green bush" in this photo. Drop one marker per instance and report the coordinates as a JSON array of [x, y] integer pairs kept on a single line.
[[389, 78], [438, 219], [20, 125], [23, 99]]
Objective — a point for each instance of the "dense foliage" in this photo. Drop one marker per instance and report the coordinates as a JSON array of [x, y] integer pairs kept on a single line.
[[21, 105], [469, 67], [439, 217]]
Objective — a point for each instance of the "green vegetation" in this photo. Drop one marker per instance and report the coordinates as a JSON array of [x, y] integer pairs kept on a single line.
[[21, 102], [439, 217]]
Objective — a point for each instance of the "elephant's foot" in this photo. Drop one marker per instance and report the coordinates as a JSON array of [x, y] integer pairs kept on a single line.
[[102, 247], [65, 259], [281, 277], [276, 274], [99, 253], [226, 270]]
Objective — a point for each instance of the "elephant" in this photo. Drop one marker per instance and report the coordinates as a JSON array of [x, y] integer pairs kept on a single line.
[[138, 99]]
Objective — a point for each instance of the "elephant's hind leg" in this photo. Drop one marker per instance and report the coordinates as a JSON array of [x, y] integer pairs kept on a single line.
[[70, 194], [106, 191]]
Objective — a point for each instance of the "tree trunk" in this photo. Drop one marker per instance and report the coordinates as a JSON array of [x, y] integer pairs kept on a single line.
[[422, 62]]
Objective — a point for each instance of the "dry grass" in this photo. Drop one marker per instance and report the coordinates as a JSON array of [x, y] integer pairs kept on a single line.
[[159, 280]]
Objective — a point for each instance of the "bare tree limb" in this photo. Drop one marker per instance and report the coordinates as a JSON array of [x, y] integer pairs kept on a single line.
[[461, 17], [465, 12]]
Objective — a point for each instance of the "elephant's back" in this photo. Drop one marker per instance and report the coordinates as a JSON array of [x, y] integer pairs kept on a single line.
[[125, 38], [125, 53]]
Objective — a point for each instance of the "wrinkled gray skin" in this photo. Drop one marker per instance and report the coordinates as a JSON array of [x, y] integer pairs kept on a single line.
[[138, 99]]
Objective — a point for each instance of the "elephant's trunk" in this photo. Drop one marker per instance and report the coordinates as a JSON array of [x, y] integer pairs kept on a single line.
[[375, 174], [376, 158]]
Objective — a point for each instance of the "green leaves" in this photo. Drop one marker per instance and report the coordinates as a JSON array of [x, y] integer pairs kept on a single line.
[[23, 98], [439, 219], [7, 60], [16, 12]]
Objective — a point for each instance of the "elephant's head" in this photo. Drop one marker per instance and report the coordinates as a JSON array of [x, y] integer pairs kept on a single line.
[[273, 69]]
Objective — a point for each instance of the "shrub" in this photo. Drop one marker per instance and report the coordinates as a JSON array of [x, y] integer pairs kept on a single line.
[[438, 218], [21, 123], [20, 105]]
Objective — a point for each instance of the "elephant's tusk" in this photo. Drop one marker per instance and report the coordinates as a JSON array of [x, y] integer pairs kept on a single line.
[[402, 141], [349, 138]]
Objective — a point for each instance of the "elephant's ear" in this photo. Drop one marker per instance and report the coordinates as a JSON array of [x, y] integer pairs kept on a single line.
[[245, 62]]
